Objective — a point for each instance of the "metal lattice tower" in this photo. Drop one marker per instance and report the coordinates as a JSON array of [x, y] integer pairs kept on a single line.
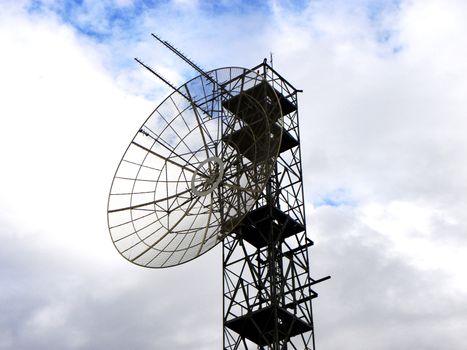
[[266, 278]]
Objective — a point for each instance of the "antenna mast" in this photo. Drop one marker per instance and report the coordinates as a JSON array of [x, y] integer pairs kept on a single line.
[[243, 187]]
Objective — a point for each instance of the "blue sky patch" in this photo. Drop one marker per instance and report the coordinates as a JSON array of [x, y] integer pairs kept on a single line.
[[336, 198]]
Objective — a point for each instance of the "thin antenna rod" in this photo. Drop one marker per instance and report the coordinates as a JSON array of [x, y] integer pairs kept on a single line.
[[223, 90], [190, 62], [159, 76], [171, 85], [196, 67]]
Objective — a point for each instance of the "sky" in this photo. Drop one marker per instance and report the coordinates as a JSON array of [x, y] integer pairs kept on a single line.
[[383, 119]]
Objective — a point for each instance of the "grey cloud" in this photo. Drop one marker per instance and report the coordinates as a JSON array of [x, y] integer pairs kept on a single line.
[[51, 302], [376, 299]]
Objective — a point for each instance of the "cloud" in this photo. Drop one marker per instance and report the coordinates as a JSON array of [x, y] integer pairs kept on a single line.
[[80, 301], [377, 297], [382, 123]]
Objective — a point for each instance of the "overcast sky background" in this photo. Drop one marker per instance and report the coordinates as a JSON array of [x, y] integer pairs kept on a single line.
[[383, 123]]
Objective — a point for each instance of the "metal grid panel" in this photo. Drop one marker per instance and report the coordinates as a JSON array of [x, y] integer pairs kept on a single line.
[[194, 169]]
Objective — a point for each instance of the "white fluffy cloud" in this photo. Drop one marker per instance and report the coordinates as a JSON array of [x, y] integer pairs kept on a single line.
[[382, 123]]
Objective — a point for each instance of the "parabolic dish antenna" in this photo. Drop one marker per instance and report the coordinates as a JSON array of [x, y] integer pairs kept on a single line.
[[195, 168]]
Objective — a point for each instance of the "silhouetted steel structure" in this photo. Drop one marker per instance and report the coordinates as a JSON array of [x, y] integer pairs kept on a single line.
[[219, 161], [267, 284]]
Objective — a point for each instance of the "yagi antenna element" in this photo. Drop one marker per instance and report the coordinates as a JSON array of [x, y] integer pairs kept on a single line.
[[183, 57]]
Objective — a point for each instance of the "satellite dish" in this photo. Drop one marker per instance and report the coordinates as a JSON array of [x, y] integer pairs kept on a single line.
[[195, 168]]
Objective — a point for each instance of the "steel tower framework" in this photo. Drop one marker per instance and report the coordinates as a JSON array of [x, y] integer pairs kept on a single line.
[[266, 279]]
